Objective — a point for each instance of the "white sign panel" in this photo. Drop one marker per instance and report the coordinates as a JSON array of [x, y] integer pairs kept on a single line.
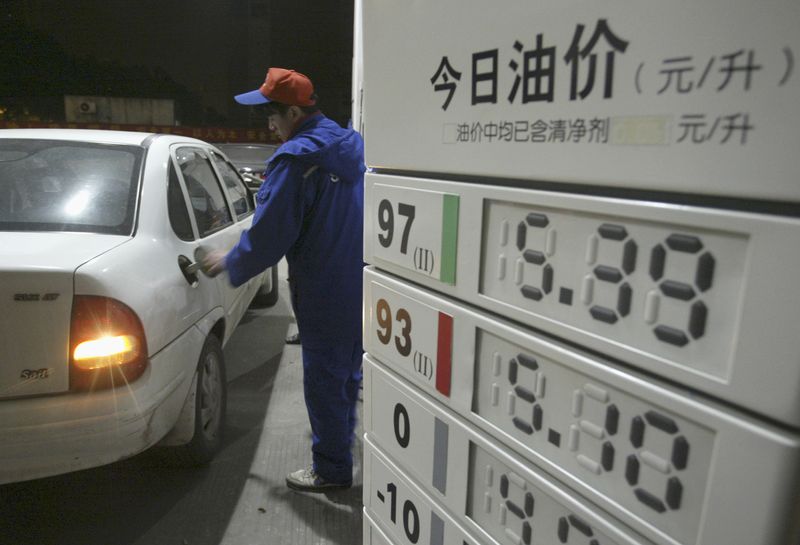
[[685, 96], [706, 297], [659, 457]]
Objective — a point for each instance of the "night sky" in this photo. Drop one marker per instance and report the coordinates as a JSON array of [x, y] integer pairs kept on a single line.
[[212, 48]]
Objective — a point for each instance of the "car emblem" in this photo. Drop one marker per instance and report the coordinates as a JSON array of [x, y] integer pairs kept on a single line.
[[29, 297], [35, 374]]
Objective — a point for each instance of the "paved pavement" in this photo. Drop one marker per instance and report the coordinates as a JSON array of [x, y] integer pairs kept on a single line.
[[239, 499]]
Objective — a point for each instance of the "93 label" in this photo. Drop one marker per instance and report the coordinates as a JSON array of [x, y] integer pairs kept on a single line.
[[417, 337], [402, 341], [416, 229]]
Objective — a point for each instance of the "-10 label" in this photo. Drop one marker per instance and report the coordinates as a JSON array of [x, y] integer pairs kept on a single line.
[[407, 512], [417, 335], [416, 229]]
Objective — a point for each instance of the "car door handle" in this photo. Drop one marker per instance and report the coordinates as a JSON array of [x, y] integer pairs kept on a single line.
[[188, 269]]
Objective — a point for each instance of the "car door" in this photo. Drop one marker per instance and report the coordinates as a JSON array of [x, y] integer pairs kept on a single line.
[[213, 222], [242, 206]]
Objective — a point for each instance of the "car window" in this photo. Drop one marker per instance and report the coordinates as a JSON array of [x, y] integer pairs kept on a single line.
[[236, 188], [48, 185], [176, 206], [205, 194]]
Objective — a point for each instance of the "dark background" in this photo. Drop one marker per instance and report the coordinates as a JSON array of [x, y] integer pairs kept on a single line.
[[199, 53]]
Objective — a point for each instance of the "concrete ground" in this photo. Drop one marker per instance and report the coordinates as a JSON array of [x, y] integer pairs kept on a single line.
[[268, 512]]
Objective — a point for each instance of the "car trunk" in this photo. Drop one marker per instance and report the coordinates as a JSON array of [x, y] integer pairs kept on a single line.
[[36, 290]]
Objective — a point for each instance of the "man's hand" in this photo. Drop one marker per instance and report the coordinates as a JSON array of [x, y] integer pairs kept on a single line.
[[213, 262]]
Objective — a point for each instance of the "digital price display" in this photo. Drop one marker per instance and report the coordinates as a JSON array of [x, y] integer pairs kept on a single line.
[[645, 457], [696, 295], [663, 460], [416, 230], [671, 292], [502, 501], [495, 495]]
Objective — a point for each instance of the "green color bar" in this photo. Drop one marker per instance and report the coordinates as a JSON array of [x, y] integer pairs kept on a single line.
[[449, 239]]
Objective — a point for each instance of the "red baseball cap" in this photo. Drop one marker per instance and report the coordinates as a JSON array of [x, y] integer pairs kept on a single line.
[[281, 85]]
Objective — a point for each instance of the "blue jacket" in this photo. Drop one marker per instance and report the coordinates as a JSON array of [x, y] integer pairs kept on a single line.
[[311, 209]]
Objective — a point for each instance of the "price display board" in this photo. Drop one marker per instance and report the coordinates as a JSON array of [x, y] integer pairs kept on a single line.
[[696, 295], [663, 459], [498, 497]]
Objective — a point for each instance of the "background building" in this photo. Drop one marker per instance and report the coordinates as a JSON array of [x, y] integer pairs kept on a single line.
[[198, 53]]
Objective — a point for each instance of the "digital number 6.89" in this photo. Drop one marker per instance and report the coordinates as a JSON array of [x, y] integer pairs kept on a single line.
[[617, 276]]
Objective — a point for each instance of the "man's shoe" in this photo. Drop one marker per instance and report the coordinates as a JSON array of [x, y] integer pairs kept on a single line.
[[293, 339], [308, 480]]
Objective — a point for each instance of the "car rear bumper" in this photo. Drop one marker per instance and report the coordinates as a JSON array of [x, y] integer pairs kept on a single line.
[[46, 436]]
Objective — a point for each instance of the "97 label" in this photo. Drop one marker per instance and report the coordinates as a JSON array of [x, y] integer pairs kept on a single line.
[[417, 230], [417, 336]]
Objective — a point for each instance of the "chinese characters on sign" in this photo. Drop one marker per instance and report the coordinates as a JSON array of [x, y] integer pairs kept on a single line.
[[695, 128], [591, 59], [534, 69], [682, 75], [539, 131]]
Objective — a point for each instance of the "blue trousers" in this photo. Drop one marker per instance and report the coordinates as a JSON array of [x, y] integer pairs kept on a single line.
[[331, 380]]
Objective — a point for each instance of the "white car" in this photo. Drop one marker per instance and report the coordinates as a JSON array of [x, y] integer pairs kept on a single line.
[[111, 336]]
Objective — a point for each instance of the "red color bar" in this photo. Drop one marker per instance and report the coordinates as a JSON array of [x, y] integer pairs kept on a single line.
[[444, 354]]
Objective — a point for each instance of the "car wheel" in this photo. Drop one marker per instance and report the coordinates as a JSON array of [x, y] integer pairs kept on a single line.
[[265, 298], [210, 407]]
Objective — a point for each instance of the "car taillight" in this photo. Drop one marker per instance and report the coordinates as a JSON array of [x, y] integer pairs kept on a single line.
[[107, 346]]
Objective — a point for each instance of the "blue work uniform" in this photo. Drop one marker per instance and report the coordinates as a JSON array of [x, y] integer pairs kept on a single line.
[[311, 209]]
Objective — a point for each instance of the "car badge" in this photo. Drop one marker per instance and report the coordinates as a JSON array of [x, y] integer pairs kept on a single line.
[[30, 297]]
